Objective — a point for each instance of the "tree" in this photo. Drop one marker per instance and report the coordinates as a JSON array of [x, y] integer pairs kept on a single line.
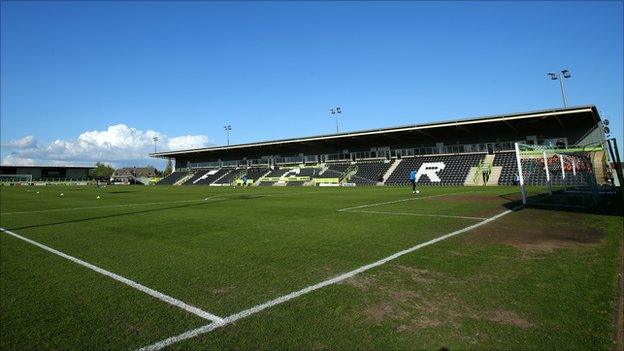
[[101, 170], [169, 167]]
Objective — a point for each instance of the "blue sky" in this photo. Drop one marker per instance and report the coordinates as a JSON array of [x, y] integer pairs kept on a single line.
[[86, 81]]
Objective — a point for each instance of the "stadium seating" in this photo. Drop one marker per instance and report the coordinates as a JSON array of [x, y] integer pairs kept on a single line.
[[206, 177], [369, 173], [432, 169], [338, 167], [452, 169], [255, 173], [506, 160], [171, 178], [329, 173], [229, 177], [277, 172], [307, 172]]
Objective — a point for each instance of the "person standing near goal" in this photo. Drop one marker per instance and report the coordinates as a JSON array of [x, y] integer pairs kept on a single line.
[[412, 179]]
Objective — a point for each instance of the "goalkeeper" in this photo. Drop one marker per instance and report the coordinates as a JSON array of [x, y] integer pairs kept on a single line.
[[412, 179]]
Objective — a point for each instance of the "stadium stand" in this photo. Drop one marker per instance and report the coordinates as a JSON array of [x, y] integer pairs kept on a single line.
[[206, 177], [229, 177], [338, 167], [457, 147], [255, 173], [295, 183], [369, 173], [307, 172], [454, 172], [276, 173], [506, 160], [330, 174], [171, 178]]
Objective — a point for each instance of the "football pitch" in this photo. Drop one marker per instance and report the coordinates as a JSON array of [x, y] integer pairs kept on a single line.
[[198, 267]]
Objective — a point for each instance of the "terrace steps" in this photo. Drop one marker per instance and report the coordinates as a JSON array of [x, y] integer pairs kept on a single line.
[[184, 179], [390, 170]]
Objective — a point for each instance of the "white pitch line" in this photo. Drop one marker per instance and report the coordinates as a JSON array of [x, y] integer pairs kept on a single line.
[[253, 310], [402, 200], [106, 206], [416, 214], [165, 298]]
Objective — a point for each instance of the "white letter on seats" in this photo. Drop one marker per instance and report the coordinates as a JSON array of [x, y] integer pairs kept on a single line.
[[430, 169]]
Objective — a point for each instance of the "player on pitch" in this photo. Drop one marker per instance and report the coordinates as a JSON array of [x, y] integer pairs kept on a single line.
[[412, 179]]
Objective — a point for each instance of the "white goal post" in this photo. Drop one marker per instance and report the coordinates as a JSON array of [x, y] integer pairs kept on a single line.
[[15, 179], [566, 177]]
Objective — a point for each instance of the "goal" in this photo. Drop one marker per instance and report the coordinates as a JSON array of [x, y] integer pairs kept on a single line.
[[559, 176], [15, 179]]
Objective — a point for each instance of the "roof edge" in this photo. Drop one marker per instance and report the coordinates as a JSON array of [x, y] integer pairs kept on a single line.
[[515, 115]]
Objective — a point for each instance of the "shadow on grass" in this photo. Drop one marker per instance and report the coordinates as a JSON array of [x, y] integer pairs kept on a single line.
[[607, 205], [116, 215]]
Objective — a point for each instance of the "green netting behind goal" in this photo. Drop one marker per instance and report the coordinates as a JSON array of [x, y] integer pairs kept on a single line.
[[558, 177]]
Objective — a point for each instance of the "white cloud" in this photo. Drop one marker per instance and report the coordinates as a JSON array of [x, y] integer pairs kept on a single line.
[[18, 161], [22, 143], [118, 144], [188, 142]]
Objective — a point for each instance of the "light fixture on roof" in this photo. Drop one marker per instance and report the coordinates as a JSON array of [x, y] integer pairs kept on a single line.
[[565, 74], [336, 111]]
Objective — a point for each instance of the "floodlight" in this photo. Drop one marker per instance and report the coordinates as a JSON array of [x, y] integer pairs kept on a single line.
[[335, 111], [566, 73], [552, 76]]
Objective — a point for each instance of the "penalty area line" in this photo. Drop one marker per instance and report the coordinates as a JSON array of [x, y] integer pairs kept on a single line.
[[255, 309], [162, 297], [397, 201], [416, 214]]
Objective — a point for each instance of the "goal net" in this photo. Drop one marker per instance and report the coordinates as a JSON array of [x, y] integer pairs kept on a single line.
[[15, 179], [559, 177]]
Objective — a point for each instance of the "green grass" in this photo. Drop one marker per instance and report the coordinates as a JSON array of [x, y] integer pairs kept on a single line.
[[490, 288]]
